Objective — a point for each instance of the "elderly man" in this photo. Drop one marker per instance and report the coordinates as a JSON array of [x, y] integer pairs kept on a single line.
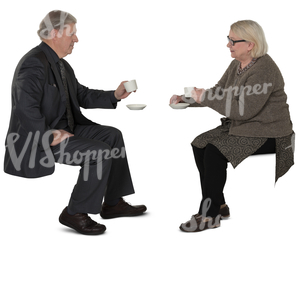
[[47, 126]]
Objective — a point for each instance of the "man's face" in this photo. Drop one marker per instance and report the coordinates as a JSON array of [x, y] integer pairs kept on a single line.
[[65, 42]]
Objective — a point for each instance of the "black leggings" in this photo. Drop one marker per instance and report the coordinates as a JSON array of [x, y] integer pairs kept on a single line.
[[212, 166]]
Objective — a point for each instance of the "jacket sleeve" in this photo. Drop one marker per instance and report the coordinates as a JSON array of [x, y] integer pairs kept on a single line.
[[216, 91], [244, 101], [28, 90], [91, 98]]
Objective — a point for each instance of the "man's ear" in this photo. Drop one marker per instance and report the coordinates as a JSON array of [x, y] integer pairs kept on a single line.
[[55, 34]]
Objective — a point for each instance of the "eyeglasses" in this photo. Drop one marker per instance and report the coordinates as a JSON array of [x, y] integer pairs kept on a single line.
[[233, 42]]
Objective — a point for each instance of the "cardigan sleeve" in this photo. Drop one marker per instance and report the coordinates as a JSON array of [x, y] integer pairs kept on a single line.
[[245, 96], [215, 91]]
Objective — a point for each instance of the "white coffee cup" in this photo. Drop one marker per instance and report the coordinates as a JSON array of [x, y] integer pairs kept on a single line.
[[188, 92], [130, 86]]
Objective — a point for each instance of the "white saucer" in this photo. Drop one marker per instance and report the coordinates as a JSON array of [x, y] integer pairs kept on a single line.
[[136, 106], [179, 105]]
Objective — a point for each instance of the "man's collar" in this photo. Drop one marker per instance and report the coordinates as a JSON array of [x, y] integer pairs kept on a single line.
[[48, 50]]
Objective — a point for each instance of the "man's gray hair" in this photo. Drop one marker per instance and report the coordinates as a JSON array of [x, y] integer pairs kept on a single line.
[[55, 19]]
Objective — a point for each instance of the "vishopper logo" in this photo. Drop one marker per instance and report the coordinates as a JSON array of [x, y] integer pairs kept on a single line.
[[47, 161], [60, 26], [84, 159], [203, 221], [88, 157], [239, 92], [229, 93], [292, 143]]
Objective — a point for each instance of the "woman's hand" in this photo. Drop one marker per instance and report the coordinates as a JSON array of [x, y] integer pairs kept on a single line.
[[175, 99], [197, 94]]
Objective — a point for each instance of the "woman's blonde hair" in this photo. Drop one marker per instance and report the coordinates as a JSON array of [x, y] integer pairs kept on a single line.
[[251, 31]]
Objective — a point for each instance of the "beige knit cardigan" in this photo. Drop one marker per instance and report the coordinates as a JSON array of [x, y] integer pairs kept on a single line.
[[255, 101]]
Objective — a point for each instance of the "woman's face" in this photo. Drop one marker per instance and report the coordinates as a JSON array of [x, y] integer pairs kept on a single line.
[[239, 51]]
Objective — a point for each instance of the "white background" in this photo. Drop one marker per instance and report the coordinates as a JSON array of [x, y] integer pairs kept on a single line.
[[165, 46]]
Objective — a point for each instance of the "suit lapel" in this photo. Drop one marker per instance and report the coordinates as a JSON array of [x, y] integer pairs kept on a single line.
[[72, 96], [59, 82], [70, 82], [58, 79]]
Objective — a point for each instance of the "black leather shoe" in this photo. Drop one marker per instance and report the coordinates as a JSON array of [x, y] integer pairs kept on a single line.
[[224, 211], [122, 209], [82, 223], [198, 223]]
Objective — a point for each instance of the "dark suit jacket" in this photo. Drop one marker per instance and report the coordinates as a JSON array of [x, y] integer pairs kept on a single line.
[[38, 103]]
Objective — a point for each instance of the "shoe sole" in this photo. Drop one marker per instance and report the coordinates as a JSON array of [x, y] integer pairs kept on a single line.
[[120, 215], [216, 226], [225, 217], [79, 231]]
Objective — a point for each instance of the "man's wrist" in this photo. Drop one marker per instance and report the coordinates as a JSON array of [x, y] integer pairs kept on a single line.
[[114, 98]]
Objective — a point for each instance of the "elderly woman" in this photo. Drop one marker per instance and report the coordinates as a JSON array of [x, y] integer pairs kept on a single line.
[[257, 121]]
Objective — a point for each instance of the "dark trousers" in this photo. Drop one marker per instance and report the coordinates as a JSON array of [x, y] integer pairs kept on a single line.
[[100, 152], [212, 166]]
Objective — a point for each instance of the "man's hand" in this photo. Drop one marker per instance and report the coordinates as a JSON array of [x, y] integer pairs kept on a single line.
[[59, 136], [120, 92]]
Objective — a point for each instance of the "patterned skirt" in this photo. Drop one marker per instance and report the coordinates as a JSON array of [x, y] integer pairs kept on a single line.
[[237, 148]]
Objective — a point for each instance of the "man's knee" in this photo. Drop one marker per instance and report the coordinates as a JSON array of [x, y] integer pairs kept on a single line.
[[116, 133], [100, 152], [115, 138]]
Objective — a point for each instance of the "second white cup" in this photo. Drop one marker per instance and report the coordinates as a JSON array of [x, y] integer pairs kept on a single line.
[[188, 92]]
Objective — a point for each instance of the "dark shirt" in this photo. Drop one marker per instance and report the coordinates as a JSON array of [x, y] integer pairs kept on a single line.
[[63, 122]]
